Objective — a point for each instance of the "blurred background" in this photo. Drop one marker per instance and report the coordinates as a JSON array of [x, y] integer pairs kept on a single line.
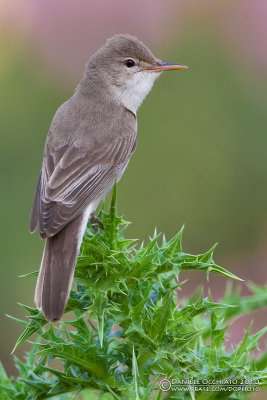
[[202, 150]]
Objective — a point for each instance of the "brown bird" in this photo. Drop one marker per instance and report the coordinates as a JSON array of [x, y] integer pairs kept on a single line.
[[89, 144]]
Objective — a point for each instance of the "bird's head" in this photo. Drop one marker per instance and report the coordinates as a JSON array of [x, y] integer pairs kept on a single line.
[[129, 68]]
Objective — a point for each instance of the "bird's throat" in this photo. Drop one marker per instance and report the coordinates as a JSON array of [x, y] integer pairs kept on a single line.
[[135, 89]]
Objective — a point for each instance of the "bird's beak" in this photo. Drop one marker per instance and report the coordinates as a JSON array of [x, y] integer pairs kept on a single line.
[[164, 66]]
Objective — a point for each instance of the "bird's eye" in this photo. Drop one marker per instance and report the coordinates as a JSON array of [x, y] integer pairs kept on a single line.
[[129, 63]]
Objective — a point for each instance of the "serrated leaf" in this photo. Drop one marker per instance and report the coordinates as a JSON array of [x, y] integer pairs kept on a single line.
[[129, 328], [174, 246]]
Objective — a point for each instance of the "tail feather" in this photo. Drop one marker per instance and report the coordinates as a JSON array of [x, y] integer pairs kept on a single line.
[[57, 269]]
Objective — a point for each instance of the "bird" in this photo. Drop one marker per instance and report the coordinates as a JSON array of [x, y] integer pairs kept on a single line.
[[89, 144]]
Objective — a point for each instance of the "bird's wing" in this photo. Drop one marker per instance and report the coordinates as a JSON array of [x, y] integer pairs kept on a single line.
[[72, 178]]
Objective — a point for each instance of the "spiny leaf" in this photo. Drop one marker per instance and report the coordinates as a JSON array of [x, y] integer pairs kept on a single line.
[[207, 257], [174, 246], [128, 328], [34, 273], [199, 266], [135, 375], [37, 321]]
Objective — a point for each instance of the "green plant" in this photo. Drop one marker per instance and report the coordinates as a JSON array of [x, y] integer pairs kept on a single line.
[[127, 331]]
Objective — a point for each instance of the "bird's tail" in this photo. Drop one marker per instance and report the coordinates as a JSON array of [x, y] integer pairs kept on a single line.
[[57, 269]]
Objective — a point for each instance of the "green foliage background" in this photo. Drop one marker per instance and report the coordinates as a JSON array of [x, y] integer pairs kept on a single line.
[[200, 158]]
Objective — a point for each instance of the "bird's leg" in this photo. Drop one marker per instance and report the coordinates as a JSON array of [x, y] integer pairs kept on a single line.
[[96, 222]]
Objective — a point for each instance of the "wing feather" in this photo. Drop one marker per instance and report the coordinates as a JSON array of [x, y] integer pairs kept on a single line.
[[71, 182]]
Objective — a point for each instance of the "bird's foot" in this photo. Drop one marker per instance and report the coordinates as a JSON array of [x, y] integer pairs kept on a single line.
[[96, 223]]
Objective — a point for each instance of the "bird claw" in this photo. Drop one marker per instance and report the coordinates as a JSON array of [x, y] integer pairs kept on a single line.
[[96, 223]]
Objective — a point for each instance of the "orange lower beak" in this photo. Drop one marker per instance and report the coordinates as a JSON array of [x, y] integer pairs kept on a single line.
[[164, 66]]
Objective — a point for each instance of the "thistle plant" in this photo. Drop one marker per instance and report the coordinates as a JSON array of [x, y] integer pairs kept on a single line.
[[125, 334]]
